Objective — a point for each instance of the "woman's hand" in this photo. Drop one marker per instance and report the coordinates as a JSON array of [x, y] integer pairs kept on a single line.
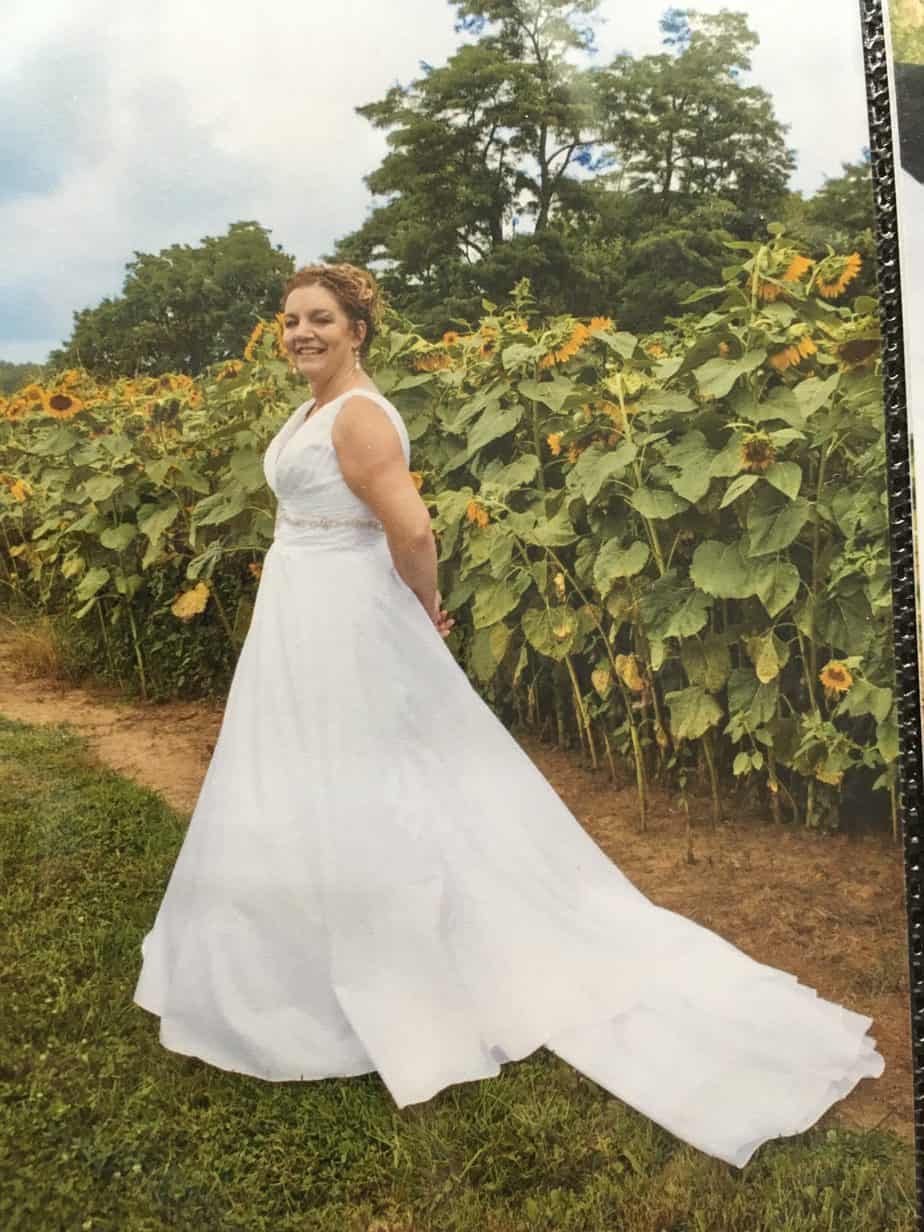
[[441, 619]]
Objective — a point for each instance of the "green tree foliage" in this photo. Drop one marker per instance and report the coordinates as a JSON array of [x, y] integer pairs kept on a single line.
[[15, 376], [631, 176], [181, 310]]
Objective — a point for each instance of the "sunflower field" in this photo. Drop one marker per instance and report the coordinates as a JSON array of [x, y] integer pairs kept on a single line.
[[670, 551]]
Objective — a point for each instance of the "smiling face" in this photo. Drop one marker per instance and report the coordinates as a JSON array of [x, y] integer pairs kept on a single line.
[[318, 335]]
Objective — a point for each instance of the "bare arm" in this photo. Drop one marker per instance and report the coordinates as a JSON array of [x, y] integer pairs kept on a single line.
[[372, 461]]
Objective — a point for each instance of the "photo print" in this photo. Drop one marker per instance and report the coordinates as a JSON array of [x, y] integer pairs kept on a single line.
[[456, 756]]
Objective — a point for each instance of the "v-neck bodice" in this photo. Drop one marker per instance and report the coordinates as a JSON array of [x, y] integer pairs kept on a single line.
[[302, 469]]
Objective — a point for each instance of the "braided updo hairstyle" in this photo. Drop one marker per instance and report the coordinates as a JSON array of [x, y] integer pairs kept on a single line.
[[355, 289]]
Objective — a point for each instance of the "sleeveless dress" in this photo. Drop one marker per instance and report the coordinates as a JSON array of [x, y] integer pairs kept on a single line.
[[376, 877]]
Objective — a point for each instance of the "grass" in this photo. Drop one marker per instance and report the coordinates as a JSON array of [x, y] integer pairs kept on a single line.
[[104, 1129]]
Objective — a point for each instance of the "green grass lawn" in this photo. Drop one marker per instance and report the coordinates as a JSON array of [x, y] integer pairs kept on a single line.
[[104, 1129]]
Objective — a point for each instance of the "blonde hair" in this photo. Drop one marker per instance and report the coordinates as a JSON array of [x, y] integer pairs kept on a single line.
[[356, 291]]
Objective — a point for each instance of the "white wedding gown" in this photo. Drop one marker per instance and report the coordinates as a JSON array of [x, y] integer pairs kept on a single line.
[[377, 877]]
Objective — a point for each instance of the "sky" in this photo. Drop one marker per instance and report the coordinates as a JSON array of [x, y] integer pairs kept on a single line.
[[129, 127]]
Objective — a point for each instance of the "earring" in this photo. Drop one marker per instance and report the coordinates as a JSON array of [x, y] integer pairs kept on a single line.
[[356, 363]]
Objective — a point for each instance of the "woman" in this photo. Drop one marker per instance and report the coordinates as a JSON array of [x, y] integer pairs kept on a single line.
[[377, 877]]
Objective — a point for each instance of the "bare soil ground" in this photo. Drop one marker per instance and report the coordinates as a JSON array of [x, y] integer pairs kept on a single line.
[[829, 909]]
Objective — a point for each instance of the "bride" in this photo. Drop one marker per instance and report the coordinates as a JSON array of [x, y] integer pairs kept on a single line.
[[376, 877]]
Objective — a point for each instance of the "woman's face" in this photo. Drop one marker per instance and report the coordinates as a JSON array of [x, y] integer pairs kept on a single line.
[[318, 335]]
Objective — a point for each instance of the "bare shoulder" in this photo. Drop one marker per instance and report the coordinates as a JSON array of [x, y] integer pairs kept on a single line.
[[363, 421]]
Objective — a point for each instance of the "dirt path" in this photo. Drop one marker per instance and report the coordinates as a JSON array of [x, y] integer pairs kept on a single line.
[[829, 910]]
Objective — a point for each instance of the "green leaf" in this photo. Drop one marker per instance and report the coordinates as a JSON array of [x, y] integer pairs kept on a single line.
[[550, 393], [786, 477], [595, 466], [702, 293], [551, 632], [497, 598], [864, 698], [657, 503], [159, 521], [615, 561], [748, 697], [117, 538], [488, 649], [494, 423], [693, 712], [728, 461], [553, 532], [716, 376], [92, 582], [887, 737], [720, 570], [693, 458], [844, 622], [737, 488], [813, 393], [769, 654], [706, 661], [774, 521], [777, 585], [622, 343], [501, 480], [665, 400], [517, 353], [101, 487], [690, 615]]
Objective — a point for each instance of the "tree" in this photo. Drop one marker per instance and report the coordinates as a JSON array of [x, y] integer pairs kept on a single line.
[[183, 309], [684, 125], [14, 376], [493, 142], [485, 140]]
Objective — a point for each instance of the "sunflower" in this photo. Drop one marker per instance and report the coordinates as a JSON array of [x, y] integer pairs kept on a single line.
[[477, 513], [574, 453], [655, 350], [767, 291], [63, 406], [857, 352], [418, 479], [554, 442], [450, 338], [255, 568], [19, 490], [796, 268], [230, 369], [757, 452], [785, 358], [836, 677], [32, 398], [834, 273], [252, 341], [570, 347], [519, 325], [598, 323]]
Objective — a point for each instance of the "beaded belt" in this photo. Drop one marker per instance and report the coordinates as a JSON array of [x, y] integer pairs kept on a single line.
[[371, 523]]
